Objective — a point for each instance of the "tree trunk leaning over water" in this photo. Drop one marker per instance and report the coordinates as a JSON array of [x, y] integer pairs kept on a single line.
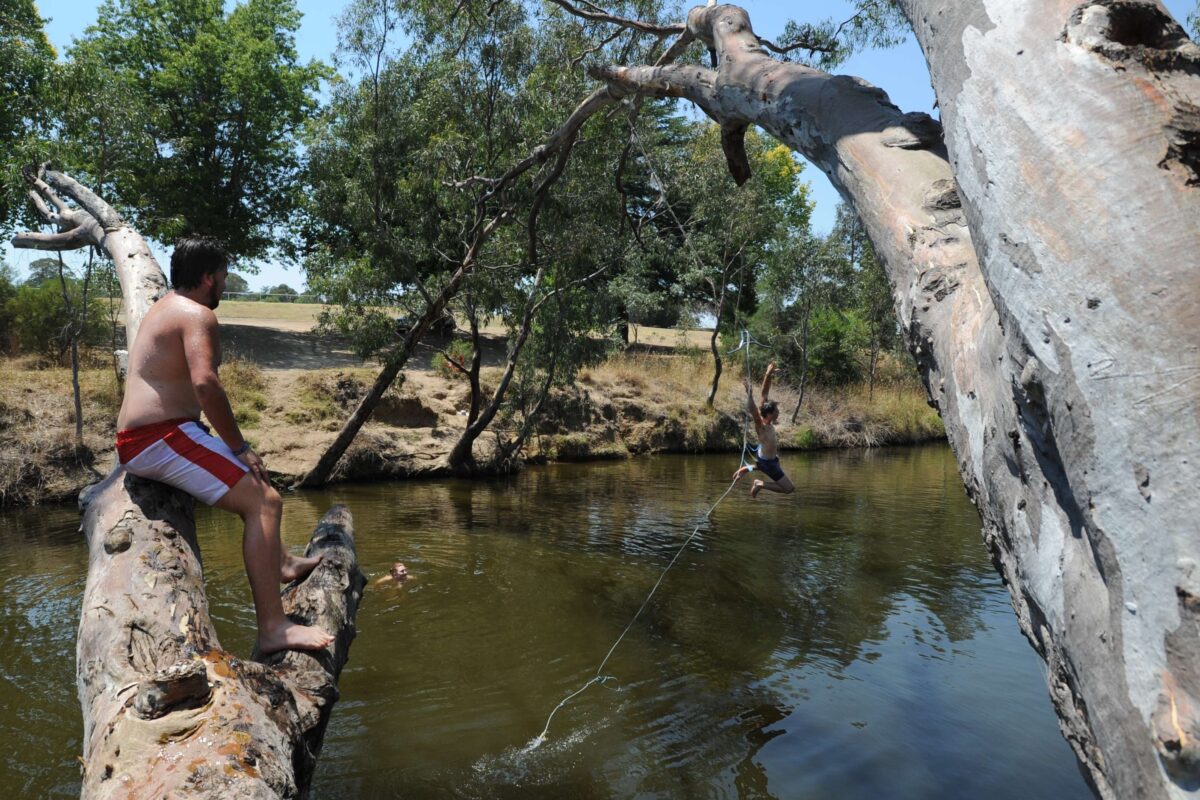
[[166, 712], [96, 224], [1060, 421], [1075, 136]]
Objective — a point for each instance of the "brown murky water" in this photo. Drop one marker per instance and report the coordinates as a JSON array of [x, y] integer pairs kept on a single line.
[[851, 641]]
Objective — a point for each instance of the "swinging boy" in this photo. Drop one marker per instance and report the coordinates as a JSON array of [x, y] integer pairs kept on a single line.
[[765, 414]]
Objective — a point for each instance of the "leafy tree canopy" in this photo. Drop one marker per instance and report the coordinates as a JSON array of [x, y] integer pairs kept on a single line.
[[44, 269], [26, 65], [202, 136], [236, 283]]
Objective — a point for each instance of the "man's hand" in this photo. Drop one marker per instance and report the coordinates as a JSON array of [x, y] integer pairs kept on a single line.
[[771, 368], [251, 460]]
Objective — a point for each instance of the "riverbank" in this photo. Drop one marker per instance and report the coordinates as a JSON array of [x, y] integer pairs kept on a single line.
[[631, 404]]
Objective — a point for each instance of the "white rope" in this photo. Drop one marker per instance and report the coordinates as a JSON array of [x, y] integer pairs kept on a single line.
[[746, 342], [599, 677]]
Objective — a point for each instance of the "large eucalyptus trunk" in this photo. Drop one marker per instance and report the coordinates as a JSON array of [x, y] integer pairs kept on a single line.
[[166, 711], [1067, 378], [1074, 132]]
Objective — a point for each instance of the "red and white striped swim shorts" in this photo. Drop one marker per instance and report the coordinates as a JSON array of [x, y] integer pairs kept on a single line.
[[181, 453]]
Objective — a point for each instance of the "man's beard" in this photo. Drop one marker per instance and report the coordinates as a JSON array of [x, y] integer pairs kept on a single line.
[[214, 298]]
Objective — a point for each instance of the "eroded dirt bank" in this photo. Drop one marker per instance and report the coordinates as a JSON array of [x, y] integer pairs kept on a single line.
[[292, 395]]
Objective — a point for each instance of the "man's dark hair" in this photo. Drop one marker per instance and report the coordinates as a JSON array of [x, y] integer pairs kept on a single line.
[[195, 257], [768, 408]]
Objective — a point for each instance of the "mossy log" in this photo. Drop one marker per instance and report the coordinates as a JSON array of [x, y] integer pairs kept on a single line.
[[167, 712]]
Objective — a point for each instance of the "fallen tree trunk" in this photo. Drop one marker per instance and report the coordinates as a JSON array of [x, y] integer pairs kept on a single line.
[[166, 711]]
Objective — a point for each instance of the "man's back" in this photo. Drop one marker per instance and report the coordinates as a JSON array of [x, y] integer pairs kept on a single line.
[[159, 385]]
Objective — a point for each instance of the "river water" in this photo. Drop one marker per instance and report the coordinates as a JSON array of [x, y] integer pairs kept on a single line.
[[849, 641]]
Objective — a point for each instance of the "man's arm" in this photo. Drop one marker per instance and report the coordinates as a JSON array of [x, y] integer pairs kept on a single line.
[[766, 384], [202, 349]]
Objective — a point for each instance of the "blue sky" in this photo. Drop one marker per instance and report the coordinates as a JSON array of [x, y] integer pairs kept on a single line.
[[900, 71]]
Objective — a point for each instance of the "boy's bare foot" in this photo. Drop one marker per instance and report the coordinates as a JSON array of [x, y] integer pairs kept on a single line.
[[290, 636], [295, 568], [756, 488]]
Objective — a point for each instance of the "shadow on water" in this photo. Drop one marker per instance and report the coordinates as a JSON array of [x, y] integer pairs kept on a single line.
[[849, 641]]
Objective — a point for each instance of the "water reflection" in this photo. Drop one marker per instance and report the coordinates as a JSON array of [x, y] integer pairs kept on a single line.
[[851, 640]]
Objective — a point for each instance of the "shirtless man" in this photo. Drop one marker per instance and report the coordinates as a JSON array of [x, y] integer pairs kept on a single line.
[[765, 415], [172, 378]]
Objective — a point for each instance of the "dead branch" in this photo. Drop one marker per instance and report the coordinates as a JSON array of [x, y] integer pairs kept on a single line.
[[632, 24]]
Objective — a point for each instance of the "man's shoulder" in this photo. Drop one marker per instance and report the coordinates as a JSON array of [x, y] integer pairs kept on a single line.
[[187, 313]]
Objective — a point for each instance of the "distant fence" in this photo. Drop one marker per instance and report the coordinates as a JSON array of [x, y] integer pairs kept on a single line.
[[274, 297]]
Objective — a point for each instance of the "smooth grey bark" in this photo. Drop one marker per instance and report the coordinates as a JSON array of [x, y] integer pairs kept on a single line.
[[1074, 131], [95, 223], [166, 711], [1067, 378]]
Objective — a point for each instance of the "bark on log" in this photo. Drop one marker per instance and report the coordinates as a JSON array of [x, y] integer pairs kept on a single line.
[[1074, 130], [167, 712]]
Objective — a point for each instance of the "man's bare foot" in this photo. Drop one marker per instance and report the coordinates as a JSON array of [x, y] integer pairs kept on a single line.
[[290, 636], [741, 471], [756, 488], [295, 568]]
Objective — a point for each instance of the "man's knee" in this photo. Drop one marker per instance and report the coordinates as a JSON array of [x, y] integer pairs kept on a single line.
[[270, 498], [250, 497]]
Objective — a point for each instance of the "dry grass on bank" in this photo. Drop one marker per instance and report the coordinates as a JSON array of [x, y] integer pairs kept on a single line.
[[39, 459], [895, 412], [632, 403]]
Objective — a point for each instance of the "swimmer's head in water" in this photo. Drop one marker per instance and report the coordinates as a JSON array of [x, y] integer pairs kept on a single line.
[[399, 571]]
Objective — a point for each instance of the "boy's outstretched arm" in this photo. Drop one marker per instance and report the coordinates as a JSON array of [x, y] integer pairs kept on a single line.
[[752, 406], [766, 384]]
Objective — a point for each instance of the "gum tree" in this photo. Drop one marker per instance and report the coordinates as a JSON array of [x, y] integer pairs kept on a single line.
[[1043, 254]]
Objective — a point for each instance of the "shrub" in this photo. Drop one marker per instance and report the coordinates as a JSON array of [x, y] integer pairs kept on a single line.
[[38, 319], [461, 351], [8, 290], [832, 340]]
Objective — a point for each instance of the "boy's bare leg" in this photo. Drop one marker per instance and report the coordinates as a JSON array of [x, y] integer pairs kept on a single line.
[[783, 486], [260, 507]]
